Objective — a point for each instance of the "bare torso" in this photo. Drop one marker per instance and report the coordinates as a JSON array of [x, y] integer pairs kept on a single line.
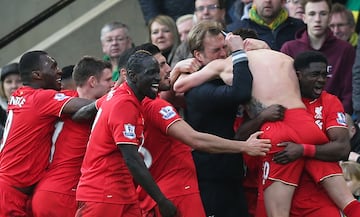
[[274, 80]]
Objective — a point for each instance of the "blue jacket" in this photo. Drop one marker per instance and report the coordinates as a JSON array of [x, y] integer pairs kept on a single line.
[[275, 39]]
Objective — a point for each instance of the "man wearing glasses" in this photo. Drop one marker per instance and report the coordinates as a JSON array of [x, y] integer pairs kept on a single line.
[[271, 22], [115, 39], [342, 24]]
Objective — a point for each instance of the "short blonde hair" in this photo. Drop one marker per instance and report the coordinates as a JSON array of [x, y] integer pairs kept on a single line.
[[170, 23], [351, 170]]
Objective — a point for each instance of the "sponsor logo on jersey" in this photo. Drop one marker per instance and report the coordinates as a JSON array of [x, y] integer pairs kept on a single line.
[[17, 101], [129, 131], [60, 96], [167, 112], [341, 119]]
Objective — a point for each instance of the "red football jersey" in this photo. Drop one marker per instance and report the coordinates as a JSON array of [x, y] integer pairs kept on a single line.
[[69, 149], [104, 174], [169, 161], [327, 112], [27, 138]]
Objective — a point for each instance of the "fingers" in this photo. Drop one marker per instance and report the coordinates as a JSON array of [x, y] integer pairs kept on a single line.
[[256, 134], [281, 144]]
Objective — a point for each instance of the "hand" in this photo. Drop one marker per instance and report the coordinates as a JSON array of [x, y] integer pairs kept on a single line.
[[257, 147], [167, 208], [189, 65], [255, 44], [235, 42], [273, 113], [291, 152]]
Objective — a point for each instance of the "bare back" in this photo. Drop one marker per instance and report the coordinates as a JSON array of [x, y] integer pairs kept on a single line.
[[274, 80]]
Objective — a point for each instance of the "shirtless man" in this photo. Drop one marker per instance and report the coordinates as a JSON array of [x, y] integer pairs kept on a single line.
[[275, 82]]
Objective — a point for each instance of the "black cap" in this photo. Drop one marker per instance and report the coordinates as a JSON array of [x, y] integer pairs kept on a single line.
[[12, 68], [67, 72]]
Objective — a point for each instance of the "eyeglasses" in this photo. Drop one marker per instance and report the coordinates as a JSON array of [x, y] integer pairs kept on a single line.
[[293, 1], [209, 7], [338, 25], [118, 40]]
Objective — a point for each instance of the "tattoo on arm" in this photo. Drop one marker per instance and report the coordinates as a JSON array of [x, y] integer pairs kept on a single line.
[[254, 108]]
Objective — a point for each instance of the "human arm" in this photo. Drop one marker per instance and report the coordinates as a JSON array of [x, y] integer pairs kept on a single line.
[[74, 105], [336, 149], [255, 44], [271, 113], [143, 177], [86, 112], [186, 66], [184, 82], [253, 146]]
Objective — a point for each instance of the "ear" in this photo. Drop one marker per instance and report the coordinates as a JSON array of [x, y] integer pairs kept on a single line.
[[198, 55], [298, 74], [36, 75], [122, 74], [92, 81], [132, 76]]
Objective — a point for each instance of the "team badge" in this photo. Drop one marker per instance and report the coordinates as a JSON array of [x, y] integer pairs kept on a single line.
[[60, 96], [318, 112], [341, 119], [129, 131], [167, 112]]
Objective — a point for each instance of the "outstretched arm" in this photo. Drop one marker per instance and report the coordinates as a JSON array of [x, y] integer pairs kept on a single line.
[[182, 131], [143, 177], [337, 149], [186, 81]]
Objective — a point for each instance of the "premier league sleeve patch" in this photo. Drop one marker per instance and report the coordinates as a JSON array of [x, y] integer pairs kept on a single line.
[[341, 119], [60, 96], [129, 131], [167, 112]]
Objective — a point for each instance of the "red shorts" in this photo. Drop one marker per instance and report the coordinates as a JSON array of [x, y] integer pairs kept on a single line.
[[47, 203], [91, 209], [13, 202], [251, 181], [189, 205], [298, 126], [310, 200], [319, 170]]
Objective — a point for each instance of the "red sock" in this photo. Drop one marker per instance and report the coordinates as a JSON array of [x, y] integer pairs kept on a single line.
[[352, 209]]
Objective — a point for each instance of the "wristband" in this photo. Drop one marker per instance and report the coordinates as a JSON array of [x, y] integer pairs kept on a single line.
[[238, 56], [309, 150]]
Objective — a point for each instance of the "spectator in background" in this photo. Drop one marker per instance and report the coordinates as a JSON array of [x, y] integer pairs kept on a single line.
[[271, 22], [115, 39], [204, 10], [342, 24], [67, 81], [184, 25], [318, 36], [10, 81], [164, 34], [172, 8], [294, 8]]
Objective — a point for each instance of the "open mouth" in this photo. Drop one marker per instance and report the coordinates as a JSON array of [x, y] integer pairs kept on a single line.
[[155, 87], [318, 90]]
